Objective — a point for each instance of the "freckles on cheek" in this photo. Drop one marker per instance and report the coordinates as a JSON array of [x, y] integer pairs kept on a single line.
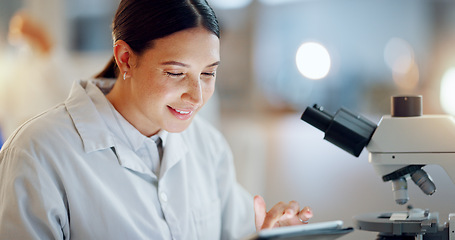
[[145, 88], [155, 90]]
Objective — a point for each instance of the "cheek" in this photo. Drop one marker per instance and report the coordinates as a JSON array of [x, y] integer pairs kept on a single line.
[[208, 91], [153, 87]]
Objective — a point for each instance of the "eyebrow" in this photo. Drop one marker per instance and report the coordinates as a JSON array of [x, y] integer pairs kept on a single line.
[[214, 64], [186, 65]]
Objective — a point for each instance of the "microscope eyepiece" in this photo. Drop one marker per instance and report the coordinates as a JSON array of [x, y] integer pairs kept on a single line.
[[317, 117], [345, 129]]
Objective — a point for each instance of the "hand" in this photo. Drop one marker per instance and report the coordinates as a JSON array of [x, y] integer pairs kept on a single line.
[[281, 214]]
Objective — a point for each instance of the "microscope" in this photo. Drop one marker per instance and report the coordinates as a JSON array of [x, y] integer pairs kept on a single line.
[[399, 146]]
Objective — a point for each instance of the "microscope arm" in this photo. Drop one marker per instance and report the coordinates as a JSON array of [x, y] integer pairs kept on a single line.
[[403, 141]]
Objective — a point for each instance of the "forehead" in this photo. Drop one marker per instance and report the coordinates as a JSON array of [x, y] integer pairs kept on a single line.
[[195, 45]]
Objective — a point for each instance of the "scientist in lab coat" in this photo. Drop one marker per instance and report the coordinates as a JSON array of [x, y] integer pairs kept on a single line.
[[125, 157]]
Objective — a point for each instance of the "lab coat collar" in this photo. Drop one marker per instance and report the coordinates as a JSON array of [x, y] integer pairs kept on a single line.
[[95, 135], [175, 150], [163, 135], [89, 124], [123, 129]]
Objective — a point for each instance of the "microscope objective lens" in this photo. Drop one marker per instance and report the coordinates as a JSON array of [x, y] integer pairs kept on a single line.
[[425, 183], [400, 190]]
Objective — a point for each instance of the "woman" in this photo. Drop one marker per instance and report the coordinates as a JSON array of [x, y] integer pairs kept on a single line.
[[94, 166]]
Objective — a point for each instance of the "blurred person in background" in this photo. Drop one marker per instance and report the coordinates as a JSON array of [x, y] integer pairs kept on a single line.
[[125, 156], [33, 79]]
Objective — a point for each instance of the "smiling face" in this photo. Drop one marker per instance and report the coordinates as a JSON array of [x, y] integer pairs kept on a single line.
[[169, 83]]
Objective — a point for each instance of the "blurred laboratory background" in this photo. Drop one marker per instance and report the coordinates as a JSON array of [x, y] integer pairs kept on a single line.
[[278, 57]]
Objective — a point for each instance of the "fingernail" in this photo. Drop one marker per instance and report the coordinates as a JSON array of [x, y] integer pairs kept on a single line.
[[308, 214]]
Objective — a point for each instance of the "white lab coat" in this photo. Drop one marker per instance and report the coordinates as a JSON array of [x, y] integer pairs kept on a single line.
[[60, 178]]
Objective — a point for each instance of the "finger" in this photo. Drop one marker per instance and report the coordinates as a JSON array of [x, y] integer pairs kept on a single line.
[[305, 214], [291, 210], [290, 214], [272, 217], [259, 212]]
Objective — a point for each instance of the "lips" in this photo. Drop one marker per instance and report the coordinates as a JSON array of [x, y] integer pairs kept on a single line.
[[182, 114]]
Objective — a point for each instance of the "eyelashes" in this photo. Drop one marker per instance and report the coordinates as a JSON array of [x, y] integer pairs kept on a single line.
[[211, 74], [175, 75], [169, 74]]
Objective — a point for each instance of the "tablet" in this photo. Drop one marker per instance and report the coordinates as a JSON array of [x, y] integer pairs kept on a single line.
[[314, 231]]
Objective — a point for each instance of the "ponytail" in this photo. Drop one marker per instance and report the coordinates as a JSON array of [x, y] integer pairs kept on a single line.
[[110, 71]]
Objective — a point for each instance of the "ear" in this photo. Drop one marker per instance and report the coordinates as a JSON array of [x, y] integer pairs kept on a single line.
[[124, 56]]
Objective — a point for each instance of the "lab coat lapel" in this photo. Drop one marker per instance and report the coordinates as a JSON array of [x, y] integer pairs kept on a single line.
[[94, 134], [87, 120], [129, 159], [174, 151]]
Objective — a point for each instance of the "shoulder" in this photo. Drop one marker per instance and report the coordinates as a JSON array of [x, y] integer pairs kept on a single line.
[[42, 131], [38, 144]]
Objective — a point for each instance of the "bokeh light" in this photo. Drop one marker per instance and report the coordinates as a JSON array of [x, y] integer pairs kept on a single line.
[[399, 57], [447, 97], [313, 60]]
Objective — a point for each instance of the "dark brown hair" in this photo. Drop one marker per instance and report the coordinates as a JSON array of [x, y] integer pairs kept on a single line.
[[139, 22]]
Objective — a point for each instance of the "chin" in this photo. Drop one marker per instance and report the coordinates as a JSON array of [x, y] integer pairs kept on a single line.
[[177, 127]]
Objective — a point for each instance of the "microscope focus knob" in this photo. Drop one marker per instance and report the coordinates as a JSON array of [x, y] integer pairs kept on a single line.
[[406, 106]]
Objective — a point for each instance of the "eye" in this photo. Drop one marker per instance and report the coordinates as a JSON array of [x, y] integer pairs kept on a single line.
[[209, 74], [170, 74]]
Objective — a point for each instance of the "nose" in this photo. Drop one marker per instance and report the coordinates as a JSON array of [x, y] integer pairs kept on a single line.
[[193, 93]]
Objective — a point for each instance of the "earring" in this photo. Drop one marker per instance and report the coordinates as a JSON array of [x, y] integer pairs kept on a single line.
[[124, 76]]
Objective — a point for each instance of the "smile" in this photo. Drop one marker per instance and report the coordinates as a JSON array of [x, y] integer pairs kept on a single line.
[[180, 113], [183, 112]]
